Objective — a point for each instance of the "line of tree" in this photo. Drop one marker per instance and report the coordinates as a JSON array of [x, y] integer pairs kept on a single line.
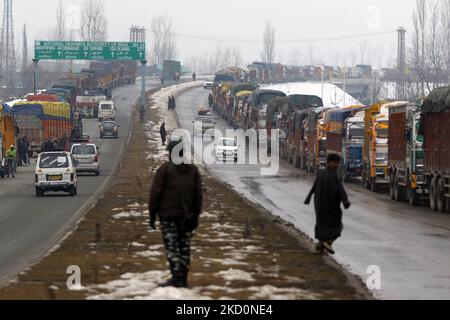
[[429, 51]]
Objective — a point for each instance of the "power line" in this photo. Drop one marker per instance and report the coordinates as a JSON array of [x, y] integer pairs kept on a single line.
[[286, 41]]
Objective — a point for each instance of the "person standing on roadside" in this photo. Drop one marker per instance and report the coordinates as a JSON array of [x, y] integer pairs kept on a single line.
[[329, 193], [11, 156], [25, 149], [176, 198], [163, 133]]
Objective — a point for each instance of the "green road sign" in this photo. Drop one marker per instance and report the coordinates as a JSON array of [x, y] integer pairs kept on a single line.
[[79, 50]]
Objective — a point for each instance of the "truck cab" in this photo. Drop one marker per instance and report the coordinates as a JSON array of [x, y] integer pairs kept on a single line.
[[352, 147], [376, 147]]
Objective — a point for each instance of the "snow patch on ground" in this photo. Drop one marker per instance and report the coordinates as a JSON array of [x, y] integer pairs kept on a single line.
[[236, 275], [143, 286], [130, 214]]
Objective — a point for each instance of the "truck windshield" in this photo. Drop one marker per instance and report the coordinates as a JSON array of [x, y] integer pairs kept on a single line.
[[382, 131], [356, 133], [420, 138]]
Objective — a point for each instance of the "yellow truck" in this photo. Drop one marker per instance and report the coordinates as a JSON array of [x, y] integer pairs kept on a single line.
[[7, 131], [375, 149]]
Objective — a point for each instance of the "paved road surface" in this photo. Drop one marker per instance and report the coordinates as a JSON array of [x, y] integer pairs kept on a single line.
[[410, 245], [28, 225]]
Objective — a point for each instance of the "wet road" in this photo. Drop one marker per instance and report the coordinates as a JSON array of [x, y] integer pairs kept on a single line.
[[411, 246], [30, 225]]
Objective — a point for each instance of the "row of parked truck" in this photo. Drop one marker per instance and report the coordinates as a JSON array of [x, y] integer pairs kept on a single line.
[[398, 146], [57, 112]]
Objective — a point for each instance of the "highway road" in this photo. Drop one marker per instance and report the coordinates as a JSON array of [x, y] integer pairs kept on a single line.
[[410, 246], [29, 226]]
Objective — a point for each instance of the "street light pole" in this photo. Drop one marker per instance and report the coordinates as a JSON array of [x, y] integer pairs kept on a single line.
[[36, 76], [143, 93]]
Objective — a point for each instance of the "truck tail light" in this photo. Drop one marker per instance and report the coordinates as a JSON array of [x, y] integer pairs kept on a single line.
[[96, 159]]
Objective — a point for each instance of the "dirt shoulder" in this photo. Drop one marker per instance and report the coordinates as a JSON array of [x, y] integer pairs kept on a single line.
[[239, 251]]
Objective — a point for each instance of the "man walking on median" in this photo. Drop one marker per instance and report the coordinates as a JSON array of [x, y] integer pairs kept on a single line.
[[176, 198], [329, 193]]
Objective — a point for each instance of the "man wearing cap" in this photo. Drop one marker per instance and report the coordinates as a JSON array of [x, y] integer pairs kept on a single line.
[[329, 193]]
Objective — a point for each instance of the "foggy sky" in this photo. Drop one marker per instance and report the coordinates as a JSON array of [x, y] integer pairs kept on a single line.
[[244, 20]]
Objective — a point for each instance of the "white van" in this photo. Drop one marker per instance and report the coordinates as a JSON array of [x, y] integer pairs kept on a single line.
[[106, 111], [55, 171]]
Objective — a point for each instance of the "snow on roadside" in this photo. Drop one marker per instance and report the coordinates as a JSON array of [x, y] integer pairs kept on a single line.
[[144, 286]]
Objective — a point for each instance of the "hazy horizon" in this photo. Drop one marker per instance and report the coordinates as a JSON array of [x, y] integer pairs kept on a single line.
[[202, 26]]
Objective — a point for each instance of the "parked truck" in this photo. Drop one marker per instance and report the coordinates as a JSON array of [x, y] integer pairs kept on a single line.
[[375, 150], [171, 70], [259, 103], [405, 154], [435, 127], [7, 133], [345, 137], [87, 104], [39, 121]]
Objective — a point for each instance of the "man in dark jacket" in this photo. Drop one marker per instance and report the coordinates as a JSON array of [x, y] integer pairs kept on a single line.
[[176, 197], [329, 194], [47, 146], [163, 133]]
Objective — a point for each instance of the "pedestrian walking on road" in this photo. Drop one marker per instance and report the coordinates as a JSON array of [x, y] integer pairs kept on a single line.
[[47, 146], [163, 133], [329, 193], [210, 100], [174, 103], [19, 152], [11, 156], [176, 198], [25, 150]]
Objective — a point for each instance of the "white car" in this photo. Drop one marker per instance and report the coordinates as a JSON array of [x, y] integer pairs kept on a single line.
[[86, 156], [227, 148], [106, 111], [208, 85], [56, 172]]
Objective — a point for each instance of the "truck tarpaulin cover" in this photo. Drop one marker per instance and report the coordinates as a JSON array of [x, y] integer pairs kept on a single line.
[[4, 109], [45, 110], [437, 101]]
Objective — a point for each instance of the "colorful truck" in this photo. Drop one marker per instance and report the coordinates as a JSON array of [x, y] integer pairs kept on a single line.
[[435, 127], [345, 137], [375, 150], [7, 131], [87, 104], [39, 121], [406, 154]]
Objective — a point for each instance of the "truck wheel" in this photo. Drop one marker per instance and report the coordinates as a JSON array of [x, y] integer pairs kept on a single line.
[[39, 192], [398, 191], [440, 196], [414, 198], [296, 161], [433, 194], [392, 188], [373, 186]]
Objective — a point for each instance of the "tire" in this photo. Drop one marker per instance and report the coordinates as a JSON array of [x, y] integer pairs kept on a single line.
[[39, 192], [373, 186], [398, 191], [441, 202], [97, 173], [433, 194], [413, 197], [392, 188]]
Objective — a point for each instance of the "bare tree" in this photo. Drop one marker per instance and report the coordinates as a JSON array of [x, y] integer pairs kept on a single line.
[[93, 24], [268, 54], [164, 39]]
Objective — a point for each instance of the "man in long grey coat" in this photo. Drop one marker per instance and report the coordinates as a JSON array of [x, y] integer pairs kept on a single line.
[[329, 193]]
